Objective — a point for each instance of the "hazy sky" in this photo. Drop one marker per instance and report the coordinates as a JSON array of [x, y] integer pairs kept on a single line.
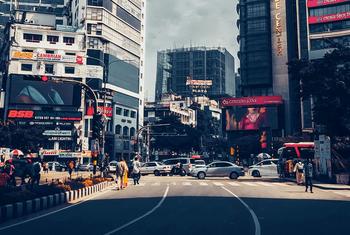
[[181, 23]]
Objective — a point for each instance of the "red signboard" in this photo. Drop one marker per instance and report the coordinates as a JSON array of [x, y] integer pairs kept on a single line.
[[251, 101], [44, 115], [329, 18], [108, 111], [317, 3]]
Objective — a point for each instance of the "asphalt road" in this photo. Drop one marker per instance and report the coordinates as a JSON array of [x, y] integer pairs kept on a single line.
[[184, 205]]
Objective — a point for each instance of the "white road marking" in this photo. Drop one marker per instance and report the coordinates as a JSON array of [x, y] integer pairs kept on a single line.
[[186, 183], [345, 193], [249, 184], [218, 184], [56, 211], [142, 216], [280, 184], [252, 213], [264, 184], [203, 184], [233, 184], [156, 184]]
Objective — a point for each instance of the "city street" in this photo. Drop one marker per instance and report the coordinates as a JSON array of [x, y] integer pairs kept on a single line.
[[185, 205]]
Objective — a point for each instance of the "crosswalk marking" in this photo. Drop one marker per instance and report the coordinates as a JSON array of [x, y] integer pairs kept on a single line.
[[203, 184], [218, 184], [280, 184], [233, 184], [264, 184], [156, 184], [249, 184], [186, 183]]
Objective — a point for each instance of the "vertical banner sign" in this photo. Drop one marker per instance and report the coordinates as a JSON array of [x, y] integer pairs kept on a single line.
[[280, 76]]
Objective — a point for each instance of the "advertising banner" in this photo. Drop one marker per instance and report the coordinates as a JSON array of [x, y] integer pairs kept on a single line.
[[329, 18], [44, 116], [317, 3], [253, 100], [28, 92], [47, 57], [250, 118]]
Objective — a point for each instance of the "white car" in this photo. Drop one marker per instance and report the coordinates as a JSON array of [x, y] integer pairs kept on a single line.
[[156, 168], [112, 166], [218, 169], [267, 167]]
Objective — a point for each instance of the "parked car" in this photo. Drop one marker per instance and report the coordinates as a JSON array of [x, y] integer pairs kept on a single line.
[[112, 166], [156, 168], [87, 167], [266, 167], [56, 166], [199, 163], [187, 163], [219, 169]]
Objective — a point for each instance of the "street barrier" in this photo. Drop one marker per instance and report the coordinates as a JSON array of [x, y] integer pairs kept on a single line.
[[19, 209]]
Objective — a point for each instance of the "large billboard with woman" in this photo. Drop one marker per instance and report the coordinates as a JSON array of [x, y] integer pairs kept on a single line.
[[251, 113]]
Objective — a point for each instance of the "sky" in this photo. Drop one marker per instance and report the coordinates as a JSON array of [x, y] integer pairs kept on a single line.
[[181, 23]]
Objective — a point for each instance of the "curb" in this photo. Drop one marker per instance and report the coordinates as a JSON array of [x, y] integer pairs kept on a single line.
[[18, 209], [321, 186]]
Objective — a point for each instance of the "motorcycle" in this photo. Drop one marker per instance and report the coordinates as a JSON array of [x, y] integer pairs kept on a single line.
[[177, 170]]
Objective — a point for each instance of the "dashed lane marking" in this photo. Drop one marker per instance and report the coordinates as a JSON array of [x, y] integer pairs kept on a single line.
[[233, 184], [218, 184], [249, 184], [186, 183], [264, 184]]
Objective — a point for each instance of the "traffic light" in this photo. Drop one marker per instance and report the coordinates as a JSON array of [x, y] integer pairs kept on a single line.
[[232, 151], [94, 160], [42, 78], [97, 126]]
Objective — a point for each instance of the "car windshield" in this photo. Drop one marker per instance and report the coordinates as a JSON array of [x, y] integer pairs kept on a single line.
[[160, 163]]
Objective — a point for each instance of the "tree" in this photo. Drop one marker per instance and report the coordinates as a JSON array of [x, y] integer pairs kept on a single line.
[[327, 81]]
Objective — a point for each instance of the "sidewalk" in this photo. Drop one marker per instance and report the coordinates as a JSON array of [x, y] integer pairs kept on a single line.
[[57, 175], [325, 186]]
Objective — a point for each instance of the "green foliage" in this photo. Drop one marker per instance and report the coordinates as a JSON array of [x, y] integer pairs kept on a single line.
[[327, 81]]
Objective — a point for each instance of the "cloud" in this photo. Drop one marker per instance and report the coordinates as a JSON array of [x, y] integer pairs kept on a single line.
[[181, 23]]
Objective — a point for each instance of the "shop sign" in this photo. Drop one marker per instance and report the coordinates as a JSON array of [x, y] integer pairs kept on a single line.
[[22, 55], [251, 101], [48, 152], [70, 154], [60, 138], [57, 133], [44, 115], [329, 18], [108, 111], [317, 3]]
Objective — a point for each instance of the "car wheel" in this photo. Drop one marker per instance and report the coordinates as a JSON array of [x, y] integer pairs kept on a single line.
[[62, 169], [256, 174], [233, 176], [201, 175], [156, 173], [183, 173]]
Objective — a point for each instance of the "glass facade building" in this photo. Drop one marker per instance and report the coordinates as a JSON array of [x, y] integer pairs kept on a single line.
[[175, 67]]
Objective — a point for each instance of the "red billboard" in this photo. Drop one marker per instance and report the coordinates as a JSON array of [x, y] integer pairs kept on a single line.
[[317, 3], [252, 101], [329, 18]]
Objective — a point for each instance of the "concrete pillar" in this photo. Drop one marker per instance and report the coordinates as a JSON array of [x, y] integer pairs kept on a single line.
[[19, 209], [37, 204], [8, 211], [50, 201], [44, 202], [29, 206], [62, 198], [57, 199]]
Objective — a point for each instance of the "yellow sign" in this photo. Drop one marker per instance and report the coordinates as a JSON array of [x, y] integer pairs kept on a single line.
[[22, 55]]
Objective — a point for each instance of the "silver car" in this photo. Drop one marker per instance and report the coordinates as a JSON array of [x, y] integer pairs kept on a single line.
[[218, 169], [156, 168]]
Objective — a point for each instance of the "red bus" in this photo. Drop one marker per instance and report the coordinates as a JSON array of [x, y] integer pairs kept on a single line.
[[302, 150]]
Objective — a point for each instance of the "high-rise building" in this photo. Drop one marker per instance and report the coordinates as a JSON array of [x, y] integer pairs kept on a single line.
[[115, 39], [323, 26], [178, 71], [268, 41]]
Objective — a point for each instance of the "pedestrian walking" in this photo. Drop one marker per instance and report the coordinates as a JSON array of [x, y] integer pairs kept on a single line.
[[299, 170], [36, 173], [9, 169], [136, 171], [308, 173], [70, 168], [119, 176], [125, 172], [45, 167]]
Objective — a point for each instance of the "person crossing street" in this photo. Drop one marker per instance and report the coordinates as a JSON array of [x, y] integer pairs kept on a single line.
[[136, 170], [308, 173]]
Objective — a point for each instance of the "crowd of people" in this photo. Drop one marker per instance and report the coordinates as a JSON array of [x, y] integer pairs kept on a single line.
[[122, 172]]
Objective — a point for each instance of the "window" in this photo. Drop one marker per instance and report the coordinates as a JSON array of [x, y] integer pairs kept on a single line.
[[49, 68], [26, 67], [118, 129], [50, 52], [68, 40], [32, 37], [126, 113], [128, 18], [27, 50], [70, 53], [132, 131], [69, 70], [266, 163], [125, 131], [152, 164], [222, 164], [52, 39], [133, 114], [118, 111]]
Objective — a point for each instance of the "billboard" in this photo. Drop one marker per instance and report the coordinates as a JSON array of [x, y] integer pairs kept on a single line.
[[252, 100], [329, 18], [241, 118], [317, 3], [28, 92]]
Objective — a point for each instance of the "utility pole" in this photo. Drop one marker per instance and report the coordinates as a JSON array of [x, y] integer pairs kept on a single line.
[[148, 144]]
